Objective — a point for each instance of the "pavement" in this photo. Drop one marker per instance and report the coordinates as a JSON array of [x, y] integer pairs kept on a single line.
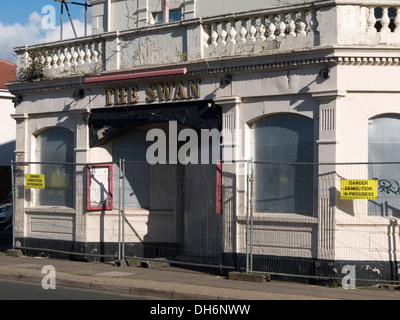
[[174, 283]]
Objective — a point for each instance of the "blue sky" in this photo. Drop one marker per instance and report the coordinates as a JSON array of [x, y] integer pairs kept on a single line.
[[21, 23], [18, 11]]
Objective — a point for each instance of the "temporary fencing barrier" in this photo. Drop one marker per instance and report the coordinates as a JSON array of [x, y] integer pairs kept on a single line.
[[290, 220]]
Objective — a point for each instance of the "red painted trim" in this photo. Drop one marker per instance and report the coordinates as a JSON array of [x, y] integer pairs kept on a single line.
[[137, 75]]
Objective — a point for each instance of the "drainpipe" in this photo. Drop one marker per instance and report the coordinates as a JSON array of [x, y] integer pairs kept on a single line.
[[165, 11]]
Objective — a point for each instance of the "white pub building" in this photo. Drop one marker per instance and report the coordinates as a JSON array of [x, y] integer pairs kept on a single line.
[[310, 89]]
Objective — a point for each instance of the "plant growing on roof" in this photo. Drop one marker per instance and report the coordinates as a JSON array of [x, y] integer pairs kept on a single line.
[[34, 66]]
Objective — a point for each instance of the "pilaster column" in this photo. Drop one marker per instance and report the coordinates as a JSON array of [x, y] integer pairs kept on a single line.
[[233, 181], [327, 173], [21, 145], [21, 155], [230, 128], [82, 135], [142, 13], [327, 124], [189, 9], [81, 156]]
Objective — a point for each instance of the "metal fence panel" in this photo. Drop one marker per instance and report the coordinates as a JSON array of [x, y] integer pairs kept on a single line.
[[175, 207], [311, 231], [286, 219]]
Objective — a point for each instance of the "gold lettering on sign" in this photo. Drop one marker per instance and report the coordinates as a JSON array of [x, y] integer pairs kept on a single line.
[[132, 95], [194, 89], [120, 96], [151, 93], [165, 91], [108, 93], [162, 92], [180, 92]]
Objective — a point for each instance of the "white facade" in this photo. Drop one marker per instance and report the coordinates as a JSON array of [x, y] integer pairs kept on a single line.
[[113, 15], [335, 63]]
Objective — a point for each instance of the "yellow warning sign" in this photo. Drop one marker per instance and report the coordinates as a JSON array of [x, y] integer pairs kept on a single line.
[[34, 181], [359, 189]]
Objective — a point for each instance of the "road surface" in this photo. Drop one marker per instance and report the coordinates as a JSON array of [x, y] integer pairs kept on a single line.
[[16, 290]]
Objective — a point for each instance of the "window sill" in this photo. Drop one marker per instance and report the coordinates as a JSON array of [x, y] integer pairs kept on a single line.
[[50, 209], [137, 212], [342, 219], [279, 217]]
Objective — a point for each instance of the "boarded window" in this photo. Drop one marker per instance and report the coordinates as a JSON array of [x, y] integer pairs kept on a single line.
[[283, 148], [383, 153], [55, 146]]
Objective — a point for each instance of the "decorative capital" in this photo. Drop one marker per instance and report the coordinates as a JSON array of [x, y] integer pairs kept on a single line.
[[329, 94], [228, 101]]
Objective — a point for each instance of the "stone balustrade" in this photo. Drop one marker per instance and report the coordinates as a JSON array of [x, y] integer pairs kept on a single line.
[[253, 33], [270, 31], [383, 19], [64, 58], [381, 24]]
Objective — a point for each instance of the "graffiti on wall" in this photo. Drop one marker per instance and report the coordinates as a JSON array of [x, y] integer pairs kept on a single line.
[[388, 186]]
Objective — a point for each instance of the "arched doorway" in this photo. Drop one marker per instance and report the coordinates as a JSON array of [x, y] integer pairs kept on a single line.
[[172, 205]]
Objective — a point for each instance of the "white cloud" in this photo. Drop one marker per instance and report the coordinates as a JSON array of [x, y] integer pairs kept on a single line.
[[32, 32]]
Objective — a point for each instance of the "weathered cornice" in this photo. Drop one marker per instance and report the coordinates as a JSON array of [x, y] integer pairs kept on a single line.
[[317, 56]]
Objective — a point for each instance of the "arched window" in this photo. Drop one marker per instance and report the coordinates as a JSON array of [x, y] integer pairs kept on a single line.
[[383, 154], [53, 146], [281, 144]]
